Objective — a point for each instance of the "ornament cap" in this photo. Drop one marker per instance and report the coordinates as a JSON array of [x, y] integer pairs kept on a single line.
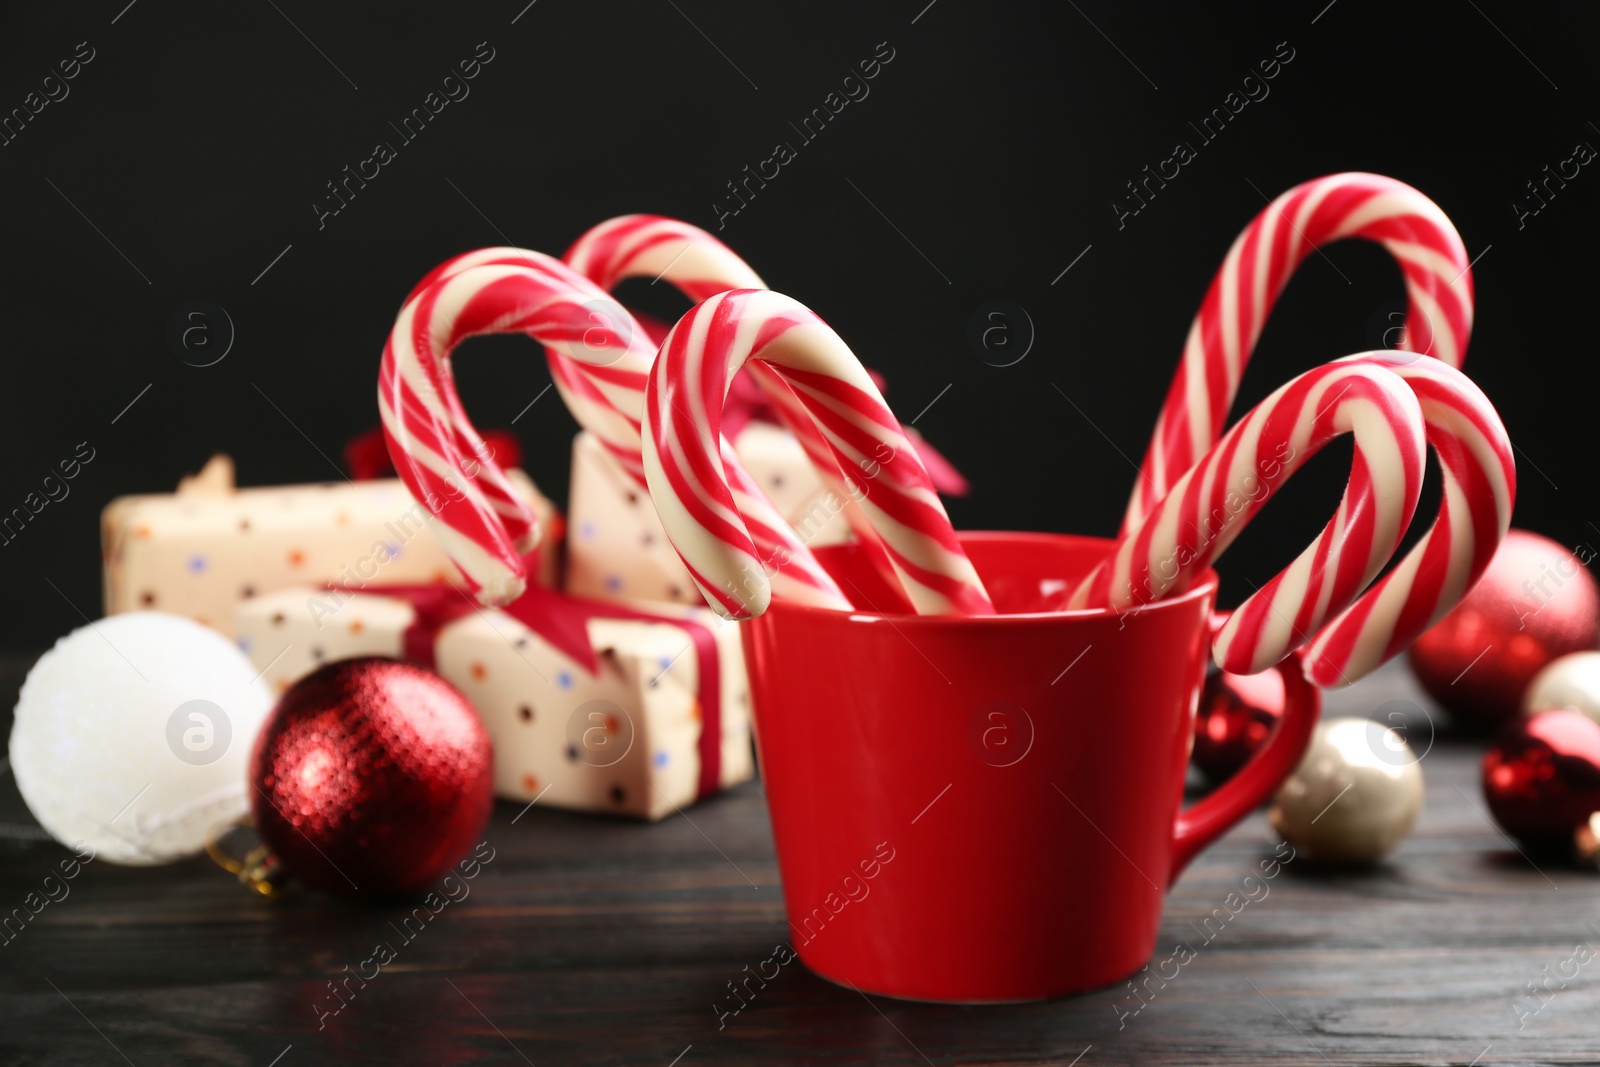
[[257, 866]]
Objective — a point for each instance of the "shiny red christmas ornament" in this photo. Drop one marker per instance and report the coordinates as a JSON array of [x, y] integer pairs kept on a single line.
[[1542, 780], [371, 776], [1535, 602], [1237, 713]]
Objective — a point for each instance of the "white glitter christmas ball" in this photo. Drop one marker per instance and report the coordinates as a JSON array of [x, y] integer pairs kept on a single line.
[[132, 736]]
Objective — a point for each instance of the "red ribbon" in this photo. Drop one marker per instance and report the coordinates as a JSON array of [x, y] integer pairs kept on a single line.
[[366, 455], [562, 621]]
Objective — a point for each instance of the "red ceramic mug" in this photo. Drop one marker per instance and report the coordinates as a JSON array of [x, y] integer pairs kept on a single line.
[[987, 809]]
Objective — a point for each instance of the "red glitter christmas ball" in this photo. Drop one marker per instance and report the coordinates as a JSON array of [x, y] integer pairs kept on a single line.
[[1542, 780], [1536, 602], [371, 776]]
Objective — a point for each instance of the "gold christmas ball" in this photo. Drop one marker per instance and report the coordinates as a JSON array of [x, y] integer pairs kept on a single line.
[[1573, 681], [1354, 797]]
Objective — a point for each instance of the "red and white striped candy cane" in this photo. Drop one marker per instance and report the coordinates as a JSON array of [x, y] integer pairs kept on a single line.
[[700, 266], [599, 361], [482, 526], [1213, 502], [1480, 487], [653, 246], [1368, 206], [683, 416]]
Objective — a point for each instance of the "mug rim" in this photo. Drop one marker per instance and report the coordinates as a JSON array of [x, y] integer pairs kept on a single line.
[[1205, 586]]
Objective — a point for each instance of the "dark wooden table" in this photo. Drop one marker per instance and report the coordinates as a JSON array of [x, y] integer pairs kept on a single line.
[[592, 941]]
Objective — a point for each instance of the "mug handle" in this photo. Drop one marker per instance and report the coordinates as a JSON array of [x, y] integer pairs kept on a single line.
[[1261, 775]]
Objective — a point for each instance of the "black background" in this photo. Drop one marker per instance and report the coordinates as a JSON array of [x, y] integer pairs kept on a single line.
[[199, 137]]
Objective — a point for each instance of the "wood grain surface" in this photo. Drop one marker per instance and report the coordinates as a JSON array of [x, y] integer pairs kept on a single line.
[[594, 941]]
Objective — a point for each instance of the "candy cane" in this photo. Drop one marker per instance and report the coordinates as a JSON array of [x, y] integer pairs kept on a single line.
[[1410, 226], [1213, 502], [598, 360], [1480, 487], [700, 266], [683, 416], [481, 526], [653, 246]]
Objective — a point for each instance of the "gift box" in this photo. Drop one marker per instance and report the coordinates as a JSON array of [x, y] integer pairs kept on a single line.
[[198, 551], [630, 709]]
